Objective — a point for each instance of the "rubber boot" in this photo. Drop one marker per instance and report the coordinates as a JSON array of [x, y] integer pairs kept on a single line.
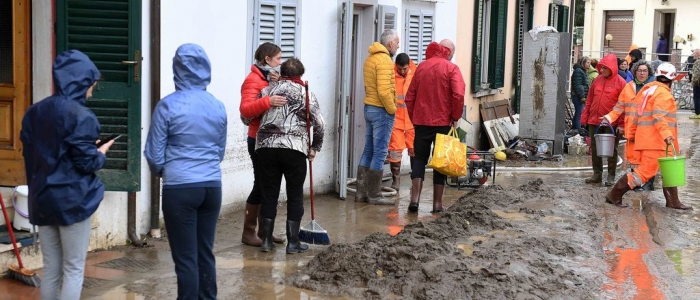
[[293, 243], [438, 189], [374, 188], [610, 180], [612, 168], [596, 178], [361, 185], [395, 175], [649, 186], [267, 226], [672, 201], [614, 196], [416, 188], [275, 239], [250, 223]]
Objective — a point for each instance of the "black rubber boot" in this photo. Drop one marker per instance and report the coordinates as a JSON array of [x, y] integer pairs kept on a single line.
[[361, 185], [267, 226], [416, 187], [395, 168], [649, 186], [293, 243]]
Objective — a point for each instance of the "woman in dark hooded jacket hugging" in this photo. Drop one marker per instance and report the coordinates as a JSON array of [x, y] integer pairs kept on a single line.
[[282, 148]]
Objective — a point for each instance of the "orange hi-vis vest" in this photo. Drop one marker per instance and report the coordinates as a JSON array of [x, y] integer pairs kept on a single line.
[[655, 118], [402, 121], [626, 107]]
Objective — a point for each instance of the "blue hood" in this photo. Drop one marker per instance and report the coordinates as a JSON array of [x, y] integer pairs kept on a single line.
[[73, 74], [191, 68]]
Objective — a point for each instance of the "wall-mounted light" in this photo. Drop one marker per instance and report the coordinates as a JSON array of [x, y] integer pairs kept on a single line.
[[677, 39], [664, 2], [608, 38], [690, 37]]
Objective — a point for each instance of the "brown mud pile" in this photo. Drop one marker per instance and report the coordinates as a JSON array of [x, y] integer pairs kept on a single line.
[[488, 245]]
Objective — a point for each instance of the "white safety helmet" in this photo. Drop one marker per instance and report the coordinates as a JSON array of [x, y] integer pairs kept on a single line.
[[666, 70]]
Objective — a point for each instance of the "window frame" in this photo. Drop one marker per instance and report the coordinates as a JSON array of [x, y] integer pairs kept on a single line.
[[277, 40], [489, 46]]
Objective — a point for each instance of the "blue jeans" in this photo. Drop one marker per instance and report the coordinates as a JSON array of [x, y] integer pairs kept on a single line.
[[379, 126], [190, 219], [578, 106]]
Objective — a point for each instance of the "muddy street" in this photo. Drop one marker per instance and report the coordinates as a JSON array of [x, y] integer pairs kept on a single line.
[[531, 236]]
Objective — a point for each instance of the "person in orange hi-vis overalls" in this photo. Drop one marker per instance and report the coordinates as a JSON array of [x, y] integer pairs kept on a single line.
[[403, 133], [626, 108], [654, 128]]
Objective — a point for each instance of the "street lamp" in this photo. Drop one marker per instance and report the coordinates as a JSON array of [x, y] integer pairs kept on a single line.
[[677, 39], [608, 38]]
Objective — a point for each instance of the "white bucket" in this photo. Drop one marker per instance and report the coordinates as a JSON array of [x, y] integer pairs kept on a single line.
[[20, 202]]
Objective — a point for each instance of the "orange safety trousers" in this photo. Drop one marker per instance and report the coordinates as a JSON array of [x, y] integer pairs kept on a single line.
[[402, 135], [633, 157], [648, 167]]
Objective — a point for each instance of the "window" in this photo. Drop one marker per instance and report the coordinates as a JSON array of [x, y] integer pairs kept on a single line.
[[559, 17], [386, 15], [277, 22], [489, 52], [419, 33]]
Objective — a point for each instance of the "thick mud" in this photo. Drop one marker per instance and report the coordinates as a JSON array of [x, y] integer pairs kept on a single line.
[[494, 243]]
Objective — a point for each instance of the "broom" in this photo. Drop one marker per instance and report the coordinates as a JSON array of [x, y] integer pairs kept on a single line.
[[312, 233], [18, 272]]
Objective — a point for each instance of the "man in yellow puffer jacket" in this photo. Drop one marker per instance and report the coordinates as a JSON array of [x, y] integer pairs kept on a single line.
[[380, 107]]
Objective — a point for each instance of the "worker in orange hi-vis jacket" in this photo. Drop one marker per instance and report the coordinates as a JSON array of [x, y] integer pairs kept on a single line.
[[403, 133], [654, 128], [626, 108]]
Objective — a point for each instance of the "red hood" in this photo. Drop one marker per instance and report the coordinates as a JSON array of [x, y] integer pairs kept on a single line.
[[610, 61], [437, 50]]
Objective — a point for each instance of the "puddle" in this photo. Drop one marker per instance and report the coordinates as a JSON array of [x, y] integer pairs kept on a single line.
[[467, 249], [510, 216], [479, 238], [284, 292], [120, 293]]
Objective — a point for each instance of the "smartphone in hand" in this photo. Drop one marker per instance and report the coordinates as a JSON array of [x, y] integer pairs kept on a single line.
[[106, 140]]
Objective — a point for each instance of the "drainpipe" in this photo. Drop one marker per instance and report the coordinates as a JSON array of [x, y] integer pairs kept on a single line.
[[131, 220], [155, 96]]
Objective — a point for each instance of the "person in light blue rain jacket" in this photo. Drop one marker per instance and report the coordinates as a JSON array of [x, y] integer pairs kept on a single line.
[[60, 158], [185, 146]]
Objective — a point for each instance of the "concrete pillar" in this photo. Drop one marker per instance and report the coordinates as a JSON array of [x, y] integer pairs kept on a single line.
[[675, 58]]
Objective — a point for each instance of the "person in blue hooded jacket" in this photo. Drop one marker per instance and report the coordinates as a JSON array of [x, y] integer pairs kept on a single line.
[[185, 146], [59, 135]]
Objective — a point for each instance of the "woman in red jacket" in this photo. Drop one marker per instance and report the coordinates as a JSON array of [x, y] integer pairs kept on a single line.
[[268, 58], [602, 97]]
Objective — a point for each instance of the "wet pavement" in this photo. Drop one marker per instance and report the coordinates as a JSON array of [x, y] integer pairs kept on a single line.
[[644, 252]]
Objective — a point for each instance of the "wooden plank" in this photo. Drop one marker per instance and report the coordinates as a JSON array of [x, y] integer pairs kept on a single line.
[[492, 110], [502, 130]]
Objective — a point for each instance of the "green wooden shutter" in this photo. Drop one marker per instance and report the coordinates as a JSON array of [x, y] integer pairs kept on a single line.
[[551, 14], [563, 19], [497, 47], [110, 34], [476, 49]]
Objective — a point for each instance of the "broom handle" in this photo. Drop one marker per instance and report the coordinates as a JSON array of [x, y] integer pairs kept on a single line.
[[11, 231], [308, 132]]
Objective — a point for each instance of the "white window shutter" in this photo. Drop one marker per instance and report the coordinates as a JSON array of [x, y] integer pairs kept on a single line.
[[386, 16], [426, 31], [413, 35], [266, 29], [288, 31]]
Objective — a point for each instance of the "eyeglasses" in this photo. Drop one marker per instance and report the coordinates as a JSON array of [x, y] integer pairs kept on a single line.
[[642, 71]]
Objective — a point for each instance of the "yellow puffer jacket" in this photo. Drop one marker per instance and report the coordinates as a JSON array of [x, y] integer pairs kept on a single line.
[[380, 87]]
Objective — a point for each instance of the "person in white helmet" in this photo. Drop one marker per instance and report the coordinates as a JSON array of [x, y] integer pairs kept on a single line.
[[655, 129]]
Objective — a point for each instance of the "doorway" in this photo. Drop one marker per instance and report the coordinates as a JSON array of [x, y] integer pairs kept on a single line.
[[15, 86], [664, 26]]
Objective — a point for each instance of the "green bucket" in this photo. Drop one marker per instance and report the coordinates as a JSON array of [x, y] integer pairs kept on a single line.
[[672, 169]]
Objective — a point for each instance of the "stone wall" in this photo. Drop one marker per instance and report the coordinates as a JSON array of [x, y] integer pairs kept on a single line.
[[683, 93]]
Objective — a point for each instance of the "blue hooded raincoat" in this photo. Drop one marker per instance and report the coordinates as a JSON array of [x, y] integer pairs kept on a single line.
[[187, 138], [60, 155]]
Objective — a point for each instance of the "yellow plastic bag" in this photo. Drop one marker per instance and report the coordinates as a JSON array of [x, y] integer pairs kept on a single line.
[[449, 155]]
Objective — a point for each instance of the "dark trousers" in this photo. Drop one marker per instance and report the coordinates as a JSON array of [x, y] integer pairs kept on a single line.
[[275, 163], [578, 109], [597, 161], [190, 219], [425, 139], [696, 99], [254, 197]]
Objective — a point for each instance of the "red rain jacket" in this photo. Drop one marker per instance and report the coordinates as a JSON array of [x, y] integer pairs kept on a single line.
[[603, 94], [251, 106], [436, 94]]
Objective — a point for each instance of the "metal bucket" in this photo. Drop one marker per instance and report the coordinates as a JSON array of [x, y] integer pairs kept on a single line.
[[605, 142]]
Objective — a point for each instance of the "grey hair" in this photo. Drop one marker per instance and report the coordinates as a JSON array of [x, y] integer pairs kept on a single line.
[[581, 61], [387, 36], [642, 62]]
